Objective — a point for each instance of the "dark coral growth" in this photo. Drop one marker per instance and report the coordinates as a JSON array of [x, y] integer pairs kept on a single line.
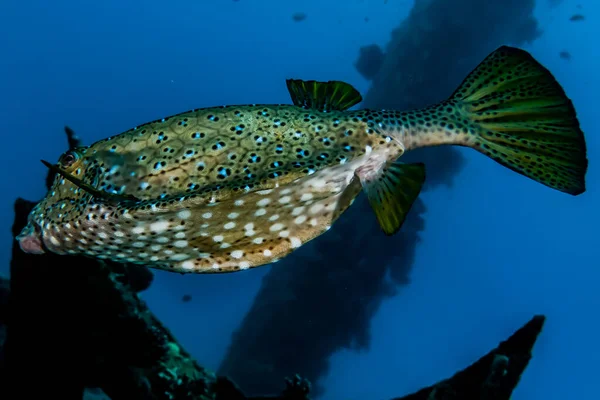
[[321, 300], [493, 376]]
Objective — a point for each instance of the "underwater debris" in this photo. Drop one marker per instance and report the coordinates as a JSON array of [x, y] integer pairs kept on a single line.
[[186, 298], [493, 376]]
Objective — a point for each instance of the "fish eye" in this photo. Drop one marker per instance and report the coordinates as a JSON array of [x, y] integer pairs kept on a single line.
[[68, 159]]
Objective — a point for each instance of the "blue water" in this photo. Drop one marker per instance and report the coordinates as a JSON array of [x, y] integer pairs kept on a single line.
[[497, 247]]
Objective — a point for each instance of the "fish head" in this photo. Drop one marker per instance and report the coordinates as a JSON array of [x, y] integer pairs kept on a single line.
[[63, 208]]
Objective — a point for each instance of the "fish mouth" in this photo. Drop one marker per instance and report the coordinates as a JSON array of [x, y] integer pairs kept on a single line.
[[30, 239]]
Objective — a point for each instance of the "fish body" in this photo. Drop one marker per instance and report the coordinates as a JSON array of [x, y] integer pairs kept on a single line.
[[228, 188]]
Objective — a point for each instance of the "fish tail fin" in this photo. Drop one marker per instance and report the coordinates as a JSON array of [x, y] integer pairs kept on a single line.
[[513, 110]]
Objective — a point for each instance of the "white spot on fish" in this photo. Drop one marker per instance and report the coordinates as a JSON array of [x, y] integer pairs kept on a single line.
[[318, 183], [239, 202], [155, 247], [276, 227], [139, 245], [207, 215], [233, 215], [180, 243], [316, 208], [237, 254], [274, 217], [286, 191], [137, 230], [258, 240], [218, 238], [284, 234], [184, 214], [244, 265], [187, 265], [297, 210], [225, 245], [159, 226], [263, 202], [162, 239], [178, 257], [300, 219], [295, 242], [285, 199], [306, 197], [229, 225], [264, 192], [54, 241], [260, 211], [314, 222], [102, 235], [179, 235], [267, 253], [215, 266]]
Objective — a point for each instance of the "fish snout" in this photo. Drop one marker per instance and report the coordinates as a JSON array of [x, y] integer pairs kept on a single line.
[[30, 240]]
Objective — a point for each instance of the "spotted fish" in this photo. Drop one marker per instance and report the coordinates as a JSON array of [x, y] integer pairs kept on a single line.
[[229, 188]]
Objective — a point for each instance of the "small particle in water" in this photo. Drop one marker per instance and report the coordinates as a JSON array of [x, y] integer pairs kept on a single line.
[[299, 16], [186, 298], [577, 17], [565, 55]]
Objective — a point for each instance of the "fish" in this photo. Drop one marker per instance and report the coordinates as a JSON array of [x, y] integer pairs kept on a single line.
[[229, 188]]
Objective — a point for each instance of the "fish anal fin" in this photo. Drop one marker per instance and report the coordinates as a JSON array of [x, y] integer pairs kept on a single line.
[[323, 96], [391, 190]]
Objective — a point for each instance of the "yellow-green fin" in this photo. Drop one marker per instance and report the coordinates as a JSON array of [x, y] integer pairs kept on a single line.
[[392, 192], [109, 198], [323, 96], [519, 115]]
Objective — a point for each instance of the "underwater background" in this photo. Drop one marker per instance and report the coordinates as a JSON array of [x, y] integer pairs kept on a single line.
[[361, 315]]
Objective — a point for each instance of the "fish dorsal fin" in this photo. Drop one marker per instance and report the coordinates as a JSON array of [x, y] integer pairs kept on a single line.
[[109, 198], [391, 191], [323, 96]]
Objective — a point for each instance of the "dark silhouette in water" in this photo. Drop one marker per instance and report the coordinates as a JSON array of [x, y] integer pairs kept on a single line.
[[369, 61], [577, 18], [304, 313], [299, 16], [565, 55]]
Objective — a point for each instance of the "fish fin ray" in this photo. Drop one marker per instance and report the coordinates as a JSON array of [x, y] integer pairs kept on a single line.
[[392, 192], [323, 96]]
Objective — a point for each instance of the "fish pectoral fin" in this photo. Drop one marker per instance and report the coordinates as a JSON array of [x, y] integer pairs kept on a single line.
[[392, 191], [106, 197], [323, 96]]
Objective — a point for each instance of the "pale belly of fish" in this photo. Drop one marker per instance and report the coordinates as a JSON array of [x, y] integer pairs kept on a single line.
[[247, 231]]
